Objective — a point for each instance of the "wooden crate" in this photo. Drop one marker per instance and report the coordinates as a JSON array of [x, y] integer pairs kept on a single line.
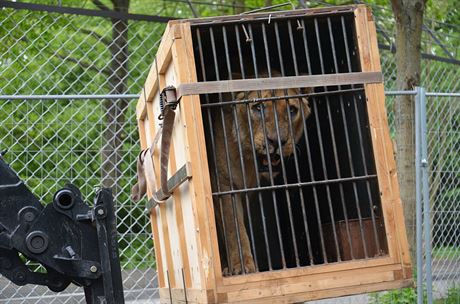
[[184, 226]]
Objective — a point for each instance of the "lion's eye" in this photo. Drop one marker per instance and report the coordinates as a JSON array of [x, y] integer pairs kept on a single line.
[[257, 108], [293, 110]]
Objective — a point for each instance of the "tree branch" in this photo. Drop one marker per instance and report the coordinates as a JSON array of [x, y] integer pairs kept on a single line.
[[97, 36], [82, 64], [100, 5]]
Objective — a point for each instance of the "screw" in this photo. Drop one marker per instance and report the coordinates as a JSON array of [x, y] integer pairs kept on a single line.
[[93, 269], [29, 216]]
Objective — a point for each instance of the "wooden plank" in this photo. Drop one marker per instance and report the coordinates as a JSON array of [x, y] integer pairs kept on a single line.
[[185, 296], [390, 159], [156, 236], [276, 281], [179, 220], [375, 116], [141, 109], [195, 146], [289, 82], [326, 293], [336, 10], [161, 210], [306, 271], [314, 283]]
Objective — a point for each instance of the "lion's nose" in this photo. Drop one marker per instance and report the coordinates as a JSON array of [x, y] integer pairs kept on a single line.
[[273, 142]]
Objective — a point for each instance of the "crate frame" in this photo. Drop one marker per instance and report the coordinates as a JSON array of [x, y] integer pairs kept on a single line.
[[195, 275]]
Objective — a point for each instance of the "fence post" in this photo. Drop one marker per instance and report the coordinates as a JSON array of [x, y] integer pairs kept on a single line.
[[418, 198], [425, 195]]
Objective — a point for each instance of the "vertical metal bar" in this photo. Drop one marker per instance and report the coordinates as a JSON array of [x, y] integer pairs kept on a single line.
[[426, 195], [310, 163], [337, 166], [296, 160], [169, 287], [280, 145], [213, 146], [321, 147], [240, 149], [270, 170], [253, 148], [360, 135], [227, 156], [185, 287], [418, 198]]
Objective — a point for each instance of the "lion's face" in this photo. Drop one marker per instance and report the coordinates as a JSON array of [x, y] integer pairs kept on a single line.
[[276, 126]]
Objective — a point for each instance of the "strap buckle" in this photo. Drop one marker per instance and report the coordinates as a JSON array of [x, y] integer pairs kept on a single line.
[[168, 98]]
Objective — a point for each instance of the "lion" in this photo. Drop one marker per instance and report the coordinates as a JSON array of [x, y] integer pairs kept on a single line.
[[234, 123]]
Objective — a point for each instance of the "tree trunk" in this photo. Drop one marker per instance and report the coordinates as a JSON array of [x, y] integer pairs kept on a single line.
[[409, 19], [115, 109]]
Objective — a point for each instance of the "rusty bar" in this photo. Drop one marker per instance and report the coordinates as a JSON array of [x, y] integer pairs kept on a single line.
[[321, 147], [299, 185], [289, 82], [227, 156], [253, 149], [213, 145], [280, 144], [334, 146], [310, 163], [270, 169], [296, 160], [240, 150], [363, 157]]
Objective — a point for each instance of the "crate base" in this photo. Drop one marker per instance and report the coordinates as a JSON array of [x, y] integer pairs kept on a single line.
[[298, 288]]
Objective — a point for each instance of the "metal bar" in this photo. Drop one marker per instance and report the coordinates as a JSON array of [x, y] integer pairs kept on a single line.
[[270, 169], [296, 158], [213, 145], [258, 100], [418, 199], [307, 141], [227, 156], [361, 145], [84, 12], [425, 195], [320, 139], [430, 94], [265, 16], [253, 150], [240, 149], [342, 198], [266, 8], [280, 144], [299, 185], [290, 82], [49, 97]]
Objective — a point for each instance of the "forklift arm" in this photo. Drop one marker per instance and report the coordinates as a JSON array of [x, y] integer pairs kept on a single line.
[[72, 241]]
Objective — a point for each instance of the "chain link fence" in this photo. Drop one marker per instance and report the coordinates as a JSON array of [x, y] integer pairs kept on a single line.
[[91, 140]]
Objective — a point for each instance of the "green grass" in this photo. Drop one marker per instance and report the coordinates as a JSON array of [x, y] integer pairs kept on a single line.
[[448, 252]]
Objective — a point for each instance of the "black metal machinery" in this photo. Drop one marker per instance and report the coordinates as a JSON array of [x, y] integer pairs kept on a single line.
[[72, 241]]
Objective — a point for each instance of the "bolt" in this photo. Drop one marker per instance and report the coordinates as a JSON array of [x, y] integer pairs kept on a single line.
[[93, 269], [100, 211], [29, 216], [20, 276]]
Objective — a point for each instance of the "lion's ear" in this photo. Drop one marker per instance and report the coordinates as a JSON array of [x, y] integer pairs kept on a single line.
[[240, 96], [307, 90]]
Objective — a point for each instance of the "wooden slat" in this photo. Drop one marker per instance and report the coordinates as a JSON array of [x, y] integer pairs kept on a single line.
[[306, 271], [390, 159], [290, 82], [153, 215], [314, 283], [161, 211], [336, 10], [375, 127], [325, 293], [200, 185]]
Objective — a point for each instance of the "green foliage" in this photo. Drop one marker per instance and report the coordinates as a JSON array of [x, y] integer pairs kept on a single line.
[[399, 296]]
